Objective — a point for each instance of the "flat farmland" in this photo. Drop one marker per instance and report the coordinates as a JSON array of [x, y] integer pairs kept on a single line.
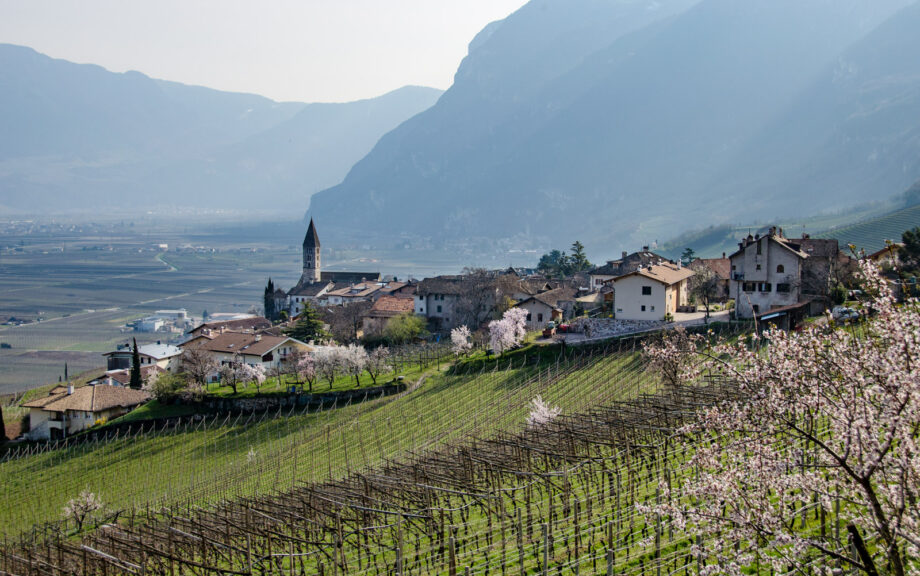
[[76, 285], [77, 301]]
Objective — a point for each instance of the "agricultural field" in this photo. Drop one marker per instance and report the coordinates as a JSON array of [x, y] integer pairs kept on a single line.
[[870, 235], [76, 285], [210, 461]]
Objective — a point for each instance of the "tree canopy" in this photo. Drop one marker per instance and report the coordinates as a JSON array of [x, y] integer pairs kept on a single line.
[[559, 264], [309, 325]]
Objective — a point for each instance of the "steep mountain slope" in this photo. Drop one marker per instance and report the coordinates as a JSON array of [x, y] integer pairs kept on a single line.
[[80, 137], [628, 143]]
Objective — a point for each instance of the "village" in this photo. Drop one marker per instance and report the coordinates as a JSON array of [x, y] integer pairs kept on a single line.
[[333, 324]]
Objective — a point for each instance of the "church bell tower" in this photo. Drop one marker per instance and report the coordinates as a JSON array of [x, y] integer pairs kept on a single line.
[[311, 263]]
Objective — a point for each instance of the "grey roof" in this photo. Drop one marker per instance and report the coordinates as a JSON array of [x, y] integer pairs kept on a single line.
[[159, 351], [310, 289], [349, 277], [441, 285], [311, 240]]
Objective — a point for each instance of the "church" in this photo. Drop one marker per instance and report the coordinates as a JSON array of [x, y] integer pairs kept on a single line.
[[314, 282]]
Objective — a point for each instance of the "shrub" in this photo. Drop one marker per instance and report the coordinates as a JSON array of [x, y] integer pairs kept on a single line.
[[166, 388]]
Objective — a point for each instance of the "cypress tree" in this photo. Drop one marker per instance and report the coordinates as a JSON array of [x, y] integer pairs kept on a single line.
[[136, 380], [268, 300]]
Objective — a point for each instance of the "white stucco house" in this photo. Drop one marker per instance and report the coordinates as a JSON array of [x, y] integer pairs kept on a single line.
[[253, 349], [766, 274], [68, 410], [166, 356], [556, 305], [651, 292]]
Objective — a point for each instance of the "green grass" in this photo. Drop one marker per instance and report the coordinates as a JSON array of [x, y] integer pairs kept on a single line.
[[208, 462]]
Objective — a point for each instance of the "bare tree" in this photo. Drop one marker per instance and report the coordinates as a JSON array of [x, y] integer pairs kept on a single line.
[[704, 286], [345, 321], [378, 362], [198, 364], [477, 298]]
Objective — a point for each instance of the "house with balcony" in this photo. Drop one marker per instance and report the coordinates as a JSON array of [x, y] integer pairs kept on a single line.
[[254, 349]]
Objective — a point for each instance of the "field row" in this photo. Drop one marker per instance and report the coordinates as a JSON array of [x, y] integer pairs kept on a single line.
[[203, 463]]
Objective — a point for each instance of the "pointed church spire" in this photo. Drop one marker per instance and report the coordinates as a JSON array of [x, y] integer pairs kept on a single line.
[[311, 240]]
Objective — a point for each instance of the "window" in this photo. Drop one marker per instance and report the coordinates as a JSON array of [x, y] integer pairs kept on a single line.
[[783, 288], [748, 286], [760, 247], [528, 316], [540, 317], [780, 269], [765, 287], [439, 308], [643, 307], [653, 308], [758, 266], [756, 309], [734, 267], [646, 290]]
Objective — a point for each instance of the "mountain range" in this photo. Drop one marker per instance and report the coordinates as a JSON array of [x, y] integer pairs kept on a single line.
[[619, 122], [78, 137]]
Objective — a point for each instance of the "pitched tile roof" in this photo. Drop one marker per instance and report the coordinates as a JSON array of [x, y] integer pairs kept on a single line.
[[124, 376], [91, 399], [246, 344], [310, 289], [390, 306], [721, 267], [349, 277], [552, 298], [628, 263], [256, 323], [666, 274]]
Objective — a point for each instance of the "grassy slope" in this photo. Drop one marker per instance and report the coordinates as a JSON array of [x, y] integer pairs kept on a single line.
[[206, 464], [864, 228]]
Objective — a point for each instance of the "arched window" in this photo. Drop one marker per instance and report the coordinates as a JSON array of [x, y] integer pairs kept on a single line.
[[780, 269]]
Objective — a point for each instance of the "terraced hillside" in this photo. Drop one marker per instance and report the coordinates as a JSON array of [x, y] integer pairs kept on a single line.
[[212, 461], [870, 235]]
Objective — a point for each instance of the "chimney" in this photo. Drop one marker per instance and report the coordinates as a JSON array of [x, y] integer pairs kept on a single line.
[[258, 338], [69, 389], [680, 264], [723, 255], [645, 248], [625, 254]]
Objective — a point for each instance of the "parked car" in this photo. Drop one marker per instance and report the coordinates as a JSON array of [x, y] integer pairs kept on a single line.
[[844, 314]]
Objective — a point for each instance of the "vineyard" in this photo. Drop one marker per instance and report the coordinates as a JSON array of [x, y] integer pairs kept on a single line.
[[223, 457], [871, 234], [445, 479]]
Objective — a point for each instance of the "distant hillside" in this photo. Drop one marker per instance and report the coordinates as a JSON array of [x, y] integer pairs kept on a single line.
[[866, 227], [76, 136], [630, 121], [870, 235]]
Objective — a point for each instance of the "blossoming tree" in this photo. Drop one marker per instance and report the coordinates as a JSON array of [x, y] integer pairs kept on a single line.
[[818, 467], [460, 340], [508, 332]]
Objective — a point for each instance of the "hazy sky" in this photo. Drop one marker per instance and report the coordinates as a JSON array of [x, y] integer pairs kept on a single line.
[[306, 50]]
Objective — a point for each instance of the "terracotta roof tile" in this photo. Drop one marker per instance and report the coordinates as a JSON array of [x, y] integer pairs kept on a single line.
[[390, 306], [93, 399]]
